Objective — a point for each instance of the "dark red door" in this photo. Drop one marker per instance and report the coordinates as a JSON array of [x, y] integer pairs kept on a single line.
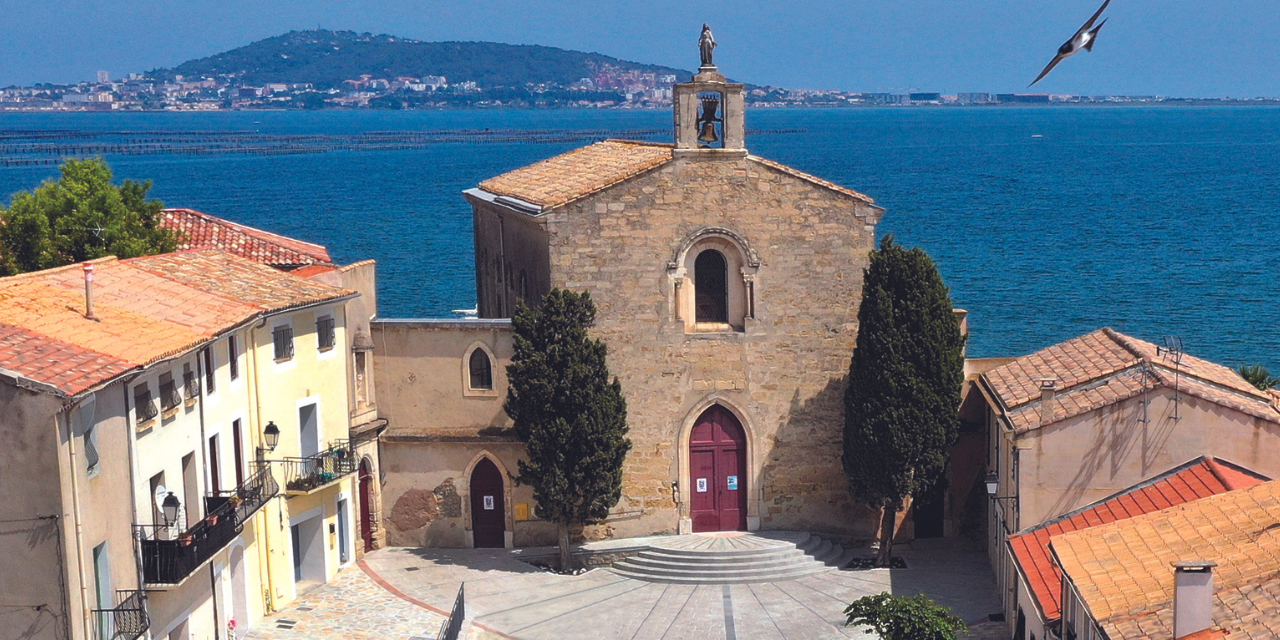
[[488, 513], [366, 505], [717, 465]]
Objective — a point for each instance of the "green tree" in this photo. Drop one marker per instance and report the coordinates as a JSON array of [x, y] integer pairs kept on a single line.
[[1258, 376], [572, 419], [80, 216], [913, 618], [902, 402]]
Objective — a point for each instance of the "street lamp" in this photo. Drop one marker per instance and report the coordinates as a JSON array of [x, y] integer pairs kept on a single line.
[[169, 508], [993, 483], [271, 436]]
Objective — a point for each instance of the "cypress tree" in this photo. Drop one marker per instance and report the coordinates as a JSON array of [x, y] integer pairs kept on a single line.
[[902, 402], [571, 418]]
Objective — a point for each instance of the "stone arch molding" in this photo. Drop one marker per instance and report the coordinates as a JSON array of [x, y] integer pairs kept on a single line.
[[508, 507], [754, 459], [465, 368], [749, 257]]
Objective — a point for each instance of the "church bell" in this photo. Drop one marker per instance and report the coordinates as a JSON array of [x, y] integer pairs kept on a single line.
[[708, 133], [707, 130]]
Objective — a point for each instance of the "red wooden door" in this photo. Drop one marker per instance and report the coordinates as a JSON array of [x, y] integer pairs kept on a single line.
[[366, 505], [717, 466], [488, 513]]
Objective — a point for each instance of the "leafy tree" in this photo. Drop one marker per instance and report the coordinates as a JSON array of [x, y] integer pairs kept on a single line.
[[1258, 376], [914, 618], [902, 402], [572, 420], [80, 216]]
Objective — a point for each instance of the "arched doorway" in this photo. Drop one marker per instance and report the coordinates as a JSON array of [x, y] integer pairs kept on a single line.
[[239, 593], [717, 472], [488, 511], [366, 504]]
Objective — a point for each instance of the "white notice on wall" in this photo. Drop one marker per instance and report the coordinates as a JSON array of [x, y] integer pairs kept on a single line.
[[488, 503], [702, 485]]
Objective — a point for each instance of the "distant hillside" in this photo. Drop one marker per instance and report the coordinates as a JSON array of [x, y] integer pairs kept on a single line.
[[326, 58]]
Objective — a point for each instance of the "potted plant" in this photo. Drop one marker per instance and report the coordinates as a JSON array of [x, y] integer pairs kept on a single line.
[[235, 500], [184, 539], [212, 519]]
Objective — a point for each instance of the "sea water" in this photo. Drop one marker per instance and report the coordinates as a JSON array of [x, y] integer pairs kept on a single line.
[[1046, 223]]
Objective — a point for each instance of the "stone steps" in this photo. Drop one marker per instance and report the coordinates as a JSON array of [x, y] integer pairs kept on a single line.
[[734, 559]]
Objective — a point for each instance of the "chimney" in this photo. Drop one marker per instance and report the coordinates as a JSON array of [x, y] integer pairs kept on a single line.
[[1048, 389], [1192, 597], [88, 291]]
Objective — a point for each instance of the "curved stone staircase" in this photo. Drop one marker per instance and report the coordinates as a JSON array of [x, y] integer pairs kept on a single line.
[[734, 558]]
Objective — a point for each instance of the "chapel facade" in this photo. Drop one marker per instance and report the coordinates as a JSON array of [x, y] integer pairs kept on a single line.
[[727, 289]]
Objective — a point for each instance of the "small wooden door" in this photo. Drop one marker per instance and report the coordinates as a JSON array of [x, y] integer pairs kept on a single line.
[[488, 510], [717, 472], [366, 505]]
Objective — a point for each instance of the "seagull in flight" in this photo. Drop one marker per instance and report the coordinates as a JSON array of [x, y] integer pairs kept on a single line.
[[1083, 39]]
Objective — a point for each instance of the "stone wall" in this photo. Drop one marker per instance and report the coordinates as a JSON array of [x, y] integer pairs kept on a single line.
[[783, 375]]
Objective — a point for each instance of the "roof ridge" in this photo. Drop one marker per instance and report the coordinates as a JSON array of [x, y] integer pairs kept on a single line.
[[244, 227], [1125, 342], [809, 177], [639, 143], [59, 269]]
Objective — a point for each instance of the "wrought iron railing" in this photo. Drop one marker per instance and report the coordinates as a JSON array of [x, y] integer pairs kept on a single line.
[[169, 396], [127, 621], [169, 558], [191, 387], [453, 626], [306, 474], [144, 409]]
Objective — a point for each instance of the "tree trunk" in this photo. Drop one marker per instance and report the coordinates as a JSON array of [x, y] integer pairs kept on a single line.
[[888, 517], [566, 563]]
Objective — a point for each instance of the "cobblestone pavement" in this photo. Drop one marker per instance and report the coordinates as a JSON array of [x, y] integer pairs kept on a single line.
[[353, 606], [507, 598]]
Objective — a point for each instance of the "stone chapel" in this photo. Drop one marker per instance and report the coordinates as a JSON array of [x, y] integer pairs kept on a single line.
[[727, 288]]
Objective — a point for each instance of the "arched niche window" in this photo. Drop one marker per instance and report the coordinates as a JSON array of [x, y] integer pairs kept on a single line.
[[711, 287], [713, 277], [480, 371]]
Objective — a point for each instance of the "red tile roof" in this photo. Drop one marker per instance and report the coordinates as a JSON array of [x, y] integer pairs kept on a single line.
[[1106, 367], [1199, 479], [203, 231], [145, 310]]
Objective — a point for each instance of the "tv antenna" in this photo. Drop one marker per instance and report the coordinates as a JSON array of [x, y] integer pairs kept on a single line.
[[1172, 351]]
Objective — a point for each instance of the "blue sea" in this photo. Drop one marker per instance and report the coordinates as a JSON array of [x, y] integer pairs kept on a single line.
[[1045, 222]]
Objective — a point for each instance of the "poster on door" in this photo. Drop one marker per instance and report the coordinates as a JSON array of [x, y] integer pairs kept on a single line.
[[702, 485], [733, 483], [488, 503]]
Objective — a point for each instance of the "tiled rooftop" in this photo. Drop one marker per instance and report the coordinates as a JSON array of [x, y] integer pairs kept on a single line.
[[567, 177], [145, 310], [203, 231], [1105, 367], [1199, 479], [1123, 570]]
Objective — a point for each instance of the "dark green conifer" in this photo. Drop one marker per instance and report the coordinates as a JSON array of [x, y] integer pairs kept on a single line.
[[902, 402], [572, 419]]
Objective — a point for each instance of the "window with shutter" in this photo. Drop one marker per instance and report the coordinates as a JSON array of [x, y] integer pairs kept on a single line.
[[283, 337]]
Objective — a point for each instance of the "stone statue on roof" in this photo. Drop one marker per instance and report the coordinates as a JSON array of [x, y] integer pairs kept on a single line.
[[707, 44]]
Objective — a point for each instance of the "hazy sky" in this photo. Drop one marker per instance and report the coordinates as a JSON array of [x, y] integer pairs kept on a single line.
[[1168, 47]]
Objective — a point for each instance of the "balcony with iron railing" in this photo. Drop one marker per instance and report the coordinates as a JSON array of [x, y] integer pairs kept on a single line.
[[316, 472], [168, 559], [128, 620]]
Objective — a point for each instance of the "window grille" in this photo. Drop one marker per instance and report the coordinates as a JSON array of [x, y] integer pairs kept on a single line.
[[283, 337], [143, 409], [169, 397], [711, 290], [481, 370], [90, 448], [324, 332]]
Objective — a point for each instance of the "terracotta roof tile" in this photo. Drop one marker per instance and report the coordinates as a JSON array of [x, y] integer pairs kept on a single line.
[[1122, 570], [1200, 479], [1105, 367], [145, 310], [203, 231], [581, 172]]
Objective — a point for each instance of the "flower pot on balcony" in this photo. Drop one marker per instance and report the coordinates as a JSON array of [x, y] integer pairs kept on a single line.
[[212, 519], [185, 539], [235, 500]]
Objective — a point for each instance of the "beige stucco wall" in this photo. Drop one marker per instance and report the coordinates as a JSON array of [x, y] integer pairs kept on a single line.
[[783, 375], [1083, 459]]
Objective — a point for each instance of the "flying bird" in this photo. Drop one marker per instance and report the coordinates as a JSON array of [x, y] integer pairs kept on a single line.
[[1083, 39]]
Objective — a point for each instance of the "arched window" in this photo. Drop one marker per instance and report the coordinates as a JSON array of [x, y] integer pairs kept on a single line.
[[481, 370], [711, 291]]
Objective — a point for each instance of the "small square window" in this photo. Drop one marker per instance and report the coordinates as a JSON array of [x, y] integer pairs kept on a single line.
[[324, 332], [283, 338]]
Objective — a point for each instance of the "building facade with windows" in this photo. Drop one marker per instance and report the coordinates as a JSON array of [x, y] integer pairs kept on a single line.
[[182, 467], [727, 289]]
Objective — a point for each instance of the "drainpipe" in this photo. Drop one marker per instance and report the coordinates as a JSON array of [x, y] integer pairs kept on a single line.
[[251, 350], [75, 518]]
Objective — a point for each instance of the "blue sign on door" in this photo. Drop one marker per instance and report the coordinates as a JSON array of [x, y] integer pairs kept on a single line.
[[733, 483]]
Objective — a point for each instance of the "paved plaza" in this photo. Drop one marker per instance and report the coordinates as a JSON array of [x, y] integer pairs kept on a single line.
[[401, 594]]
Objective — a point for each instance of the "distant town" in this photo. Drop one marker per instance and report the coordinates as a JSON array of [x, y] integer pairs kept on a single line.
[[608, 87]]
